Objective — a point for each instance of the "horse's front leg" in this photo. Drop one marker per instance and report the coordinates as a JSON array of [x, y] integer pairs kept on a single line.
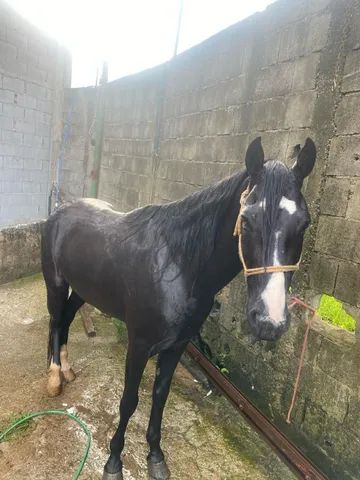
[[136, 360], [166, 365]]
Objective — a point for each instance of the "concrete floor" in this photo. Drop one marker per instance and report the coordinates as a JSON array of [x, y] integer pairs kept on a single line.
[[203, 437]]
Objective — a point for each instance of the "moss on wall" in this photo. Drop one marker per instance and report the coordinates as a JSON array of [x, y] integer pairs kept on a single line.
[[331, 310]]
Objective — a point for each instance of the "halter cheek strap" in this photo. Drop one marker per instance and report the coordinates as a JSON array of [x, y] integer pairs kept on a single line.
[[238, 232]]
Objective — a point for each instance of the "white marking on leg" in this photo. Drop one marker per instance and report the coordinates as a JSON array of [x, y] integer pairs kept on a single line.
[[54, 379], [288, 205], [274, 295], [65, 365], [66, 369], [54, 368]]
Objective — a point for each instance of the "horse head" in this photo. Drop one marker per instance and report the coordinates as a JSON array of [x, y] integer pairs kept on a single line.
[[272, 221]]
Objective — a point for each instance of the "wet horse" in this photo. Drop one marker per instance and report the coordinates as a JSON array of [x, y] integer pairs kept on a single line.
[[158, 269]]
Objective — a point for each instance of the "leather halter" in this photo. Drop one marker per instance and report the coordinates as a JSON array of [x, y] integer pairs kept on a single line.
[[238, 232]]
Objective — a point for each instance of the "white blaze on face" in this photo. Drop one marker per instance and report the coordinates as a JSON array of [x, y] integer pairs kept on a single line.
[[274, 295]]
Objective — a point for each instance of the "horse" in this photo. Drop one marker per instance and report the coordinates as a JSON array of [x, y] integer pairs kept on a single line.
[[158, 269]]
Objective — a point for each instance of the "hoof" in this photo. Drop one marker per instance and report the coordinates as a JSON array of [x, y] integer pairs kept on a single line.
[[69, 375], [112, 476], [53, 390], [54, 380], [158, 471], [53, 386]]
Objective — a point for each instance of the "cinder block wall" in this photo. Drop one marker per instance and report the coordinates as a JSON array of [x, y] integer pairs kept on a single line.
[[335, 266], [33, 72], [19, 251], [132, 123], [79, 132], [290, 72]]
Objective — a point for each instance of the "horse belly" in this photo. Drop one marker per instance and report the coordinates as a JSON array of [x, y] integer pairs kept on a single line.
[[91, 272]]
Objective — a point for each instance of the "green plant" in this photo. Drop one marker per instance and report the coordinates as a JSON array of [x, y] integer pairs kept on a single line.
[[331, 310], [220, 363], [120, 327], [21, 430]]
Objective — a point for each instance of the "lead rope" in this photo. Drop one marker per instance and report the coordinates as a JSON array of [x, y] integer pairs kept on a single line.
[[238, 224], [297, 301]]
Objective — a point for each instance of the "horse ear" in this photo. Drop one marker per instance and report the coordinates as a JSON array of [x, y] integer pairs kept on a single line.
[[305, 160], [254, 158]]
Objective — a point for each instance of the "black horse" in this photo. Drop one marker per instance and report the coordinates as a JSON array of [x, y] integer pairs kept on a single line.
[[158, 269]]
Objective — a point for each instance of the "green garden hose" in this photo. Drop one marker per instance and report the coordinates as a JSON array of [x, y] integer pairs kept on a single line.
[[85, 428]]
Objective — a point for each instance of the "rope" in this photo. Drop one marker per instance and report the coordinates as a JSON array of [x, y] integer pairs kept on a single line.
[[238, 232], [297, 301], [83, 425]]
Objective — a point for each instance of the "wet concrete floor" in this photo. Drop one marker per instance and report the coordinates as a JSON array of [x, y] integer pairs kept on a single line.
[[204, 438]]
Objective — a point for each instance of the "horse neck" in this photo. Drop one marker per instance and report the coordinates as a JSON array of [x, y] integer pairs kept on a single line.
[[224, 263]]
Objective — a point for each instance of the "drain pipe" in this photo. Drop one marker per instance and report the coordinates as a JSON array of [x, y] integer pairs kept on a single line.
[[99, 133], [181, 7]]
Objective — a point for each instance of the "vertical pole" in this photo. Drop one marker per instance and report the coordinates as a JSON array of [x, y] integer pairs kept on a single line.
[[99, 134], [178, 27]]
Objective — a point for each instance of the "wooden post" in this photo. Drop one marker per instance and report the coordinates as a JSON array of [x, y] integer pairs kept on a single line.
[[85, 312]]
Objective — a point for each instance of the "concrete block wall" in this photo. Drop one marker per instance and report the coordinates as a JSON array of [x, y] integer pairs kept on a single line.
[[131, 116], [33, 73], [325, 419], [133, 106], [336, 264], [257, 77], [79, 124], [19, 251]]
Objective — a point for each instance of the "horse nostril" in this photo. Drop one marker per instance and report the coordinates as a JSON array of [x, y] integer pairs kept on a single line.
[[254, 314], [267, 331]]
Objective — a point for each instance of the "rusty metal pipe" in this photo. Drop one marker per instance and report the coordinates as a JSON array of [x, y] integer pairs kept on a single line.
[[301, 465]]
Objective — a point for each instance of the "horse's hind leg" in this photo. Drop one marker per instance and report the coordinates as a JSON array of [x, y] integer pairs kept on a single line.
[[71, 307], [166, 364], [56, 300]]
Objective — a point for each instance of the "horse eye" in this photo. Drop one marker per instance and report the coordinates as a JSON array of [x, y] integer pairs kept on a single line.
[[245, 224], [252, 199]]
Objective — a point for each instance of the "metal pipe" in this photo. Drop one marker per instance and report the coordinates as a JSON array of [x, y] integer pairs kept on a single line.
[[178, 27], [301, 465], [99, 134]]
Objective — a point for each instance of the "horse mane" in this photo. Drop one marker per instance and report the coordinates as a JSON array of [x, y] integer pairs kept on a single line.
[[189, 227]]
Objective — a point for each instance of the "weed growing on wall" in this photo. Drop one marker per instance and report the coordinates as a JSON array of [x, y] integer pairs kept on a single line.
[[331, 310]]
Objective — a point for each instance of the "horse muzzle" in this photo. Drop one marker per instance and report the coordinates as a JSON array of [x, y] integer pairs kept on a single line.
[[264, 327]]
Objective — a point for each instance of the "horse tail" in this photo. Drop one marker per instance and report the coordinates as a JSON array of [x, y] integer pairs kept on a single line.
[[50, 342], [56, 287]]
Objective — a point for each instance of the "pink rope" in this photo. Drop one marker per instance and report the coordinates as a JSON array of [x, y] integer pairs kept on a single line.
[[296, 301]]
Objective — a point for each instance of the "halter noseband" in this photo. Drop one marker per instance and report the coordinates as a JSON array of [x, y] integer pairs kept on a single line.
[[256, 270]]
